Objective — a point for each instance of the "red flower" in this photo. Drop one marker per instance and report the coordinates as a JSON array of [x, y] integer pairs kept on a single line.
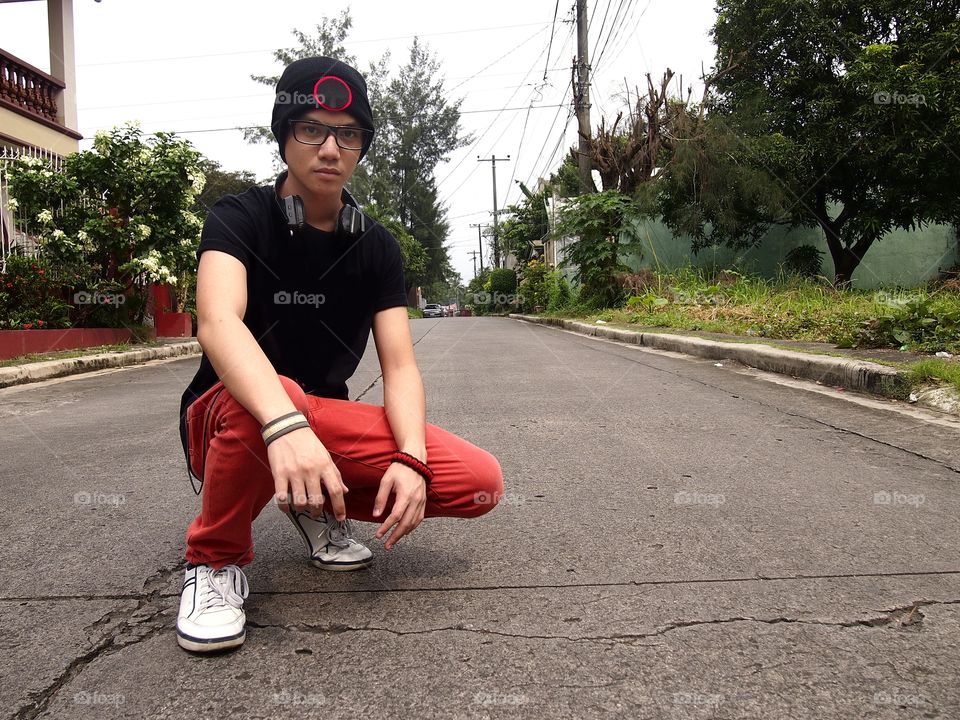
[[39, 323], [27, 326], [9, 285]]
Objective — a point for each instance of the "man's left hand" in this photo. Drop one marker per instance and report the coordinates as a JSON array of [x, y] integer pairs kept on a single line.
[[409, 502]]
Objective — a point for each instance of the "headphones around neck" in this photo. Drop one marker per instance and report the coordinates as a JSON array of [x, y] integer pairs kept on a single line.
[[351, 223]]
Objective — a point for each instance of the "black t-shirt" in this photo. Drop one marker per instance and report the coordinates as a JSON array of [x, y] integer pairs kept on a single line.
[[311, 294]]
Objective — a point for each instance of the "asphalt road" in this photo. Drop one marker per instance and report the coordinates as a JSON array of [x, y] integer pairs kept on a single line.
[[677, 540]]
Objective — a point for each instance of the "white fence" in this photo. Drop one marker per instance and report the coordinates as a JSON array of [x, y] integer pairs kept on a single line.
[[14, 238]]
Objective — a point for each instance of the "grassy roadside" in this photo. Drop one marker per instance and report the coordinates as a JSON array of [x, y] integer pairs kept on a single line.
[[921, 321], [79, 352]]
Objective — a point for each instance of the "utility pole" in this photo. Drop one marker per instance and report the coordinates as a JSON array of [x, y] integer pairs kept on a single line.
[[474, 254], [581, 98], [479, 227], [496, 224]]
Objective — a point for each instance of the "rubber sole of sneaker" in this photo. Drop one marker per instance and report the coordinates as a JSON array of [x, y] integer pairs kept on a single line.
[[342, 566], [207, 646]]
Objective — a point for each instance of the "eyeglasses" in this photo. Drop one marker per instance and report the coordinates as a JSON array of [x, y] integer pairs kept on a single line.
[[349, 137]]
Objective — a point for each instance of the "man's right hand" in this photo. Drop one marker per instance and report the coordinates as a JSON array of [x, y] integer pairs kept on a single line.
[[303, 471]]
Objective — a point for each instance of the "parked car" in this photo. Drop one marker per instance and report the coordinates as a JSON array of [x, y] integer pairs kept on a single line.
[[433, 310]]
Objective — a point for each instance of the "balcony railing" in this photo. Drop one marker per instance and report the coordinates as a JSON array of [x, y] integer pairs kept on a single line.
[[24, 87]]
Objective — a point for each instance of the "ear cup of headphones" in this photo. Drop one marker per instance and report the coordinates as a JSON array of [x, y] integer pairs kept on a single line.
[[351, 223]]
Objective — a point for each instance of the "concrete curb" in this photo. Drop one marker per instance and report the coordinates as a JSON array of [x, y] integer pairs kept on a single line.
[[859, 375], [49, 369]]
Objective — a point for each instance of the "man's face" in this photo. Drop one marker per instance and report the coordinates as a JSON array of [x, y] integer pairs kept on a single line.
[[323, 169]]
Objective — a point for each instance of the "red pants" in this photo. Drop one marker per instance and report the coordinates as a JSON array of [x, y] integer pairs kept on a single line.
[[226, 450]]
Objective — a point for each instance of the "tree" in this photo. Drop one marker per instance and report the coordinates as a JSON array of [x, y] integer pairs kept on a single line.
[[862, 103], [417, 128], [220, 183], [713, 189], [525, 225], [628, 155]]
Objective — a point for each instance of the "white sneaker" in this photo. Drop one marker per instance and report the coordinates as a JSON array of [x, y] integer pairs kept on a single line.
[[328, 542], [211, 608]]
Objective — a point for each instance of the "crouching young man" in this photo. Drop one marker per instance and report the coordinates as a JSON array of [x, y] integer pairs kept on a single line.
[[291, 280]]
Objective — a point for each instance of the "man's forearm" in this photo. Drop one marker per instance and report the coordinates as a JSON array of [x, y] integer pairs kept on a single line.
[[405, 404], [244, 368]]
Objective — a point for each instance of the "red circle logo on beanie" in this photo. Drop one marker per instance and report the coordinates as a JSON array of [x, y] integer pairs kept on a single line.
[[332, 93]]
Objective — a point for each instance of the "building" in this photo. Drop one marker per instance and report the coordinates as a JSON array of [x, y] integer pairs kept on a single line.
[[38, 110]]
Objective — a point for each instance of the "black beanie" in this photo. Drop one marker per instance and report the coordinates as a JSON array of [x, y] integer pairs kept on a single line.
[[320, 83]]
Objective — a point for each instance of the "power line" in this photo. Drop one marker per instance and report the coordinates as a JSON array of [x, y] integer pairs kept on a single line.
[[631, 6], [633, 32], [610, 33], [509, 52], [553, 27], [273, 49], [265, 127], [489, 127]]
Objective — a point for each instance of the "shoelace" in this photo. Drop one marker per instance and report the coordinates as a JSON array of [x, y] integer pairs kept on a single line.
[[226, 586], [338, 532]]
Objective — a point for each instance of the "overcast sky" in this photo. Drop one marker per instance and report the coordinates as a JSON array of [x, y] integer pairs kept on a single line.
[[185, 67]]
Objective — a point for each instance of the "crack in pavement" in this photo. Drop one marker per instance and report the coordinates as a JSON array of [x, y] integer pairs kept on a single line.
[[372, 385], [123, 628], [905, 616], [499, 588]]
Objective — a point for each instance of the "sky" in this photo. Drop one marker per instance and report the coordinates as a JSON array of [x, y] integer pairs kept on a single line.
[[185, 67]]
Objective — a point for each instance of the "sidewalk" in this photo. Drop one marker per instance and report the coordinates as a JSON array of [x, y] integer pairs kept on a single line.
[[60, 367], [877, 371]]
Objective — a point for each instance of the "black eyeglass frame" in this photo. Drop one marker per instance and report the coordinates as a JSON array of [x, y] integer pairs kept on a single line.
[[334, 129]]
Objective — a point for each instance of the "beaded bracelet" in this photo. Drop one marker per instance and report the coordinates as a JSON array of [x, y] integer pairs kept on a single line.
[[282, 425], [414, 464]]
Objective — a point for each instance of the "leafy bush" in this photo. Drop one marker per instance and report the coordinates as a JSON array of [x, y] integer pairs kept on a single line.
[[117, 218], [534, 288], [599, 220], [805, 261], [918, 321], [503, 280], [559, 294], [32, 295]]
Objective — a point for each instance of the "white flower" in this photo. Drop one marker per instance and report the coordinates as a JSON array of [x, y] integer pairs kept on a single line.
[[12, 205], [143, 231], [191, 219], [82, 236], [45, 216], [198, 182], [59, 234]]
